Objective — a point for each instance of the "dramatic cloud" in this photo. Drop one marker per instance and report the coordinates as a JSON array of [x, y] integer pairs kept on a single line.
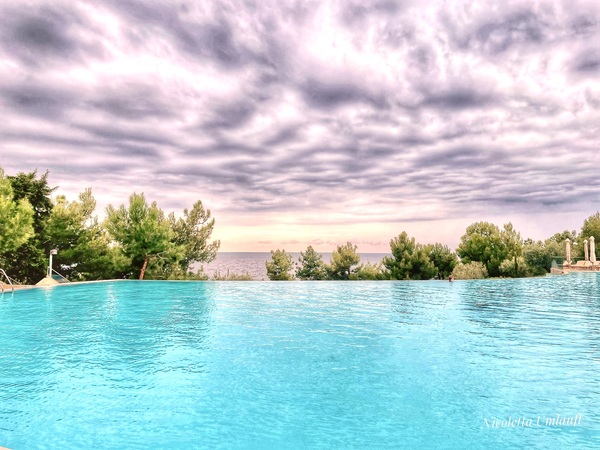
[[312, 122]]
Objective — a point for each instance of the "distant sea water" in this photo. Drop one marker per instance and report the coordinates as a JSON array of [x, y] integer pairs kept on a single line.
[[253, 263]]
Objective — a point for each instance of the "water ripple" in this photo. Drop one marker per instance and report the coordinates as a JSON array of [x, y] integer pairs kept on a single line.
[[301, 364]]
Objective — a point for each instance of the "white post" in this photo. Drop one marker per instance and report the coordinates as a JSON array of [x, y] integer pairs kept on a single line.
[[568, 251], [52, 252]]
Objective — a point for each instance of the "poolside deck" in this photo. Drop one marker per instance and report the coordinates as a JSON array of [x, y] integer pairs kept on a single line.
[[580, 266]]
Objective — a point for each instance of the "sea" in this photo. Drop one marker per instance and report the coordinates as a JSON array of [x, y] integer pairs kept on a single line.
[[253, 263]]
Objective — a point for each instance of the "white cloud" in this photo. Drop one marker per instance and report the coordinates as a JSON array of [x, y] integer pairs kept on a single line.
[[312, 120]]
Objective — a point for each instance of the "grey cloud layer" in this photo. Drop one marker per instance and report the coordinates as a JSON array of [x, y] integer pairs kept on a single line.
[[382, 111]]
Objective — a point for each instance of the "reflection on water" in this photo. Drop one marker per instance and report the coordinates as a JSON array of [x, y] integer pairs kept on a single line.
[[301, 364]]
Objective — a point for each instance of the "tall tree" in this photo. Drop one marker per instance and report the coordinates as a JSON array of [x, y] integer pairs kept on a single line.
[[538, 256], [590, 227], [280, 266], [192, 232], [556, 248], [442, 258], [483, 242], [28, 263], [513, 248], [343, 260], [16, 218], [311, 265], [84, 249], [141, 229], [409, 260]]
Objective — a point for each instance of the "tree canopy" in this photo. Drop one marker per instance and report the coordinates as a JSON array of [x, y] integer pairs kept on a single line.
[[27, 264], [141, 229], [16, 218], [280, 266], [343, 259], [84, 250], [483, 242], [192, 233], [409, 260], [311, 265]]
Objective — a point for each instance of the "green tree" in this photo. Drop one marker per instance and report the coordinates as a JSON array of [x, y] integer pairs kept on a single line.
[[556, 245], [343, 259], [590, 227], [192, 232], [84, 248], [142, 231], [16, 218], [483, 242], [474, 270], [28, 263], [561, 237], [311, 265], [409, 260], [280, 266], [513, 250], [538, 257], [443, 259]]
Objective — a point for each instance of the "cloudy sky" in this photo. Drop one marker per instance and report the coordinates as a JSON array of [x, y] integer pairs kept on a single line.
[[312, 122]]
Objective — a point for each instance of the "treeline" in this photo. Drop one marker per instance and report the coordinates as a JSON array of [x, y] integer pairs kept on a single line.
[[485, 250], [137, 240]]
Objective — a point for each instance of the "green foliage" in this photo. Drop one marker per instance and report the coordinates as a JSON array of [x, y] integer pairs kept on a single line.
[[28, 263], [148, 244], [343, 258], [513, 249], [591, 227], [192, 232], [280, 266], [232, 276], [84, 251], [16, 218], [512, 268], [443, 259], [474, 270], [483, 242], [556, 245], [409, 260], [560, 238], [311, 265], [369, 271], [142, 231], [178, 274], [556, 250], [538, 257]]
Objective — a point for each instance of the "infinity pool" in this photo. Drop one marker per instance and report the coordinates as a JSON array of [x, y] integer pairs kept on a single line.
[[303, 365]]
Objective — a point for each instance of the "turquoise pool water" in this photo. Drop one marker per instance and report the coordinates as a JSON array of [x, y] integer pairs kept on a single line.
[[302, 365]]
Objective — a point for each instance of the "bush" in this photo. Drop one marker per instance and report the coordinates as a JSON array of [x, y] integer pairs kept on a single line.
[[232, 276], [474, 270], [507, 268], [368, 271]]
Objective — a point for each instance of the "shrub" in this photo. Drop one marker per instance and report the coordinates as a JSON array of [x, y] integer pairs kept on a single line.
[[474, 270]]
